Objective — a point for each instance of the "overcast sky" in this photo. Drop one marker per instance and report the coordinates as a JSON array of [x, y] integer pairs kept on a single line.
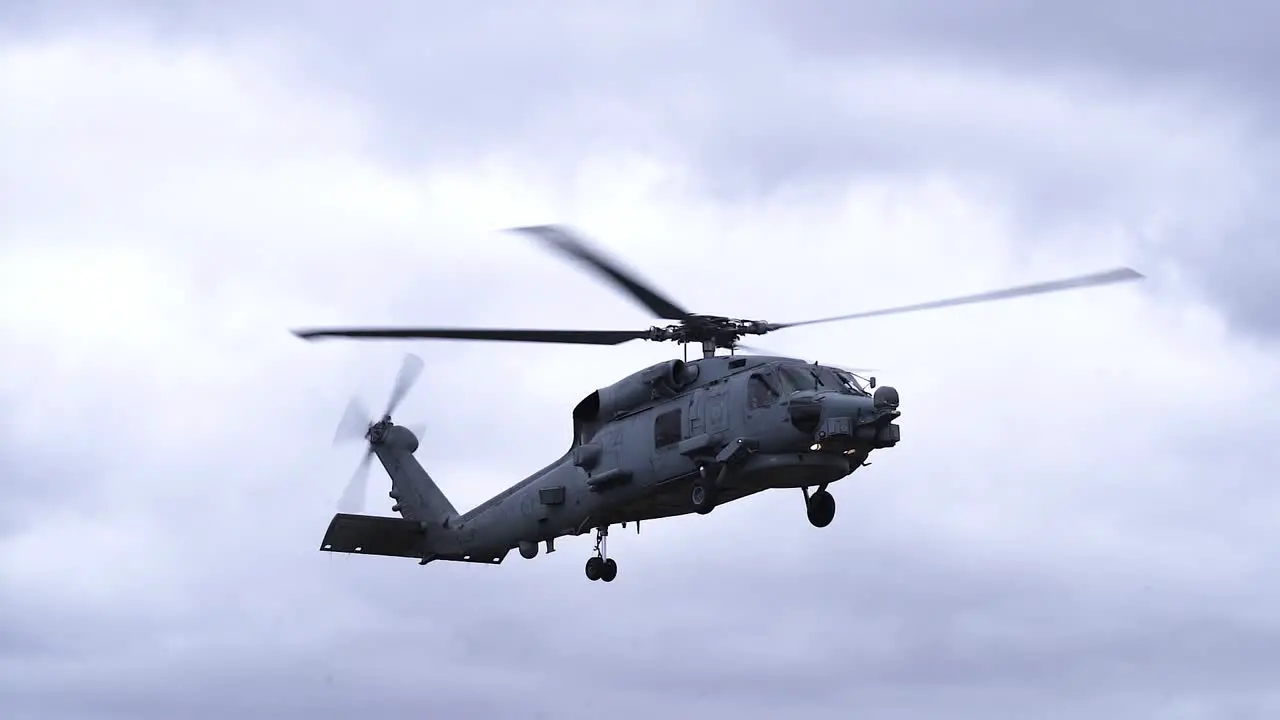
[[1079, 521]]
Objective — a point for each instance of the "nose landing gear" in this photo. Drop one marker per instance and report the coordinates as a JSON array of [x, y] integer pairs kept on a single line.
[[820, 506], [600, 566]]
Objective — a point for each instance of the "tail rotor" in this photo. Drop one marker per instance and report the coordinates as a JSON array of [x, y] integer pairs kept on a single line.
[[357, 424], [353, 496], [354, 423]]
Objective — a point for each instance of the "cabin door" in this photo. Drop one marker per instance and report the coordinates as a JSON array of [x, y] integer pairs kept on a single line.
[[668, 423], [611, 447], [713, 410], [697, 425]]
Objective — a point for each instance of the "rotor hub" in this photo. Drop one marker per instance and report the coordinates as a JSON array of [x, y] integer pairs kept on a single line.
[[714, 330], [378, 431]]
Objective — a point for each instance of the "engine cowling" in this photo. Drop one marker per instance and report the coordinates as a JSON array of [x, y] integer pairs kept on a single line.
[[672, 375], [661, 380]]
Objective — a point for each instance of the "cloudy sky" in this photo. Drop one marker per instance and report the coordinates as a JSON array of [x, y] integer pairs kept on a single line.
[[1078, 522]]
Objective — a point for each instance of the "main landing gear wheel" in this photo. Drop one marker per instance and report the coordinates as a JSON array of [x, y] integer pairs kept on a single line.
[[595, 568], [601, 567], [821, 507], [703, 497]]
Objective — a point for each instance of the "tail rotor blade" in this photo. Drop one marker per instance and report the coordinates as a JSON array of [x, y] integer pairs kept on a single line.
[[353, 496], [354, 422], [409, 373]]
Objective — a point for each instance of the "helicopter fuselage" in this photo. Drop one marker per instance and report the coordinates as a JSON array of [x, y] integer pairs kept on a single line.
[[643, 448]]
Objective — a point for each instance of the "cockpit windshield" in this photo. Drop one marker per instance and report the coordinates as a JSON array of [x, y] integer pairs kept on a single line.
[[849, 382], [798, 377], [817, 377]]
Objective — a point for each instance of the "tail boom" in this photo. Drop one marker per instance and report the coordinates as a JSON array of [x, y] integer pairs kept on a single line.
[[427, 528], [417, 496]]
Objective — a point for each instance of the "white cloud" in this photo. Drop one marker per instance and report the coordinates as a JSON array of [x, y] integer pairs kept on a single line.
[[179, 208]]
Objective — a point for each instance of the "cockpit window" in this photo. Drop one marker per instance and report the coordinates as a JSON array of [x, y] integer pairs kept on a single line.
[[818, 377], [839, 380], [798, 378], [828, 380], [761, 394], [850, 383]]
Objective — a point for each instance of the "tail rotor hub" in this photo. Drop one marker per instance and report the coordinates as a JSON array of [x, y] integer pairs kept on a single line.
[[378, 431]]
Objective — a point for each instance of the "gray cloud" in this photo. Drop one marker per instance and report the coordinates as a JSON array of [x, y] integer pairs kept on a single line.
[[1073, 526], [1161, 121], [1218, 57], [1172, 43]]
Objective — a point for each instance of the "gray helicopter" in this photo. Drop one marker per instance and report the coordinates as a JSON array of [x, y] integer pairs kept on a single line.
[[675, 438]]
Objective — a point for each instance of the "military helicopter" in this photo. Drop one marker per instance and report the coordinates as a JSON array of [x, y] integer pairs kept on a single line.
[[674, 438]]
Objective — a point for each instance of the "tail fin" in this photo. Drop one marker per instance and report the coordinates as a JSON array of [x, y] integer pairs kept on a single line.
[[417, 496]]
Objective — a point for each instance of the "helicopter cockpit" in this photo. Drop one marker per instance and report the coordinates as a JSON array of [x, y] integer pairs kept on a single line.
[[797, 376]]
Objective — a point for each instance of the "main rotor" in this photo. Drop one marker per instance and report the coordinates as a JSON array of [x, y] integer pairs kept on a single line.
[[712, 332]]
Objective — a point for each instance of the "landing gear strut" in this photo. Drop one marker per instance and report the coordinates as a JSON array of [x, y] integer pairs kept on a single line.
[[600, 566], [713, 475], [704, 493], [820, 506]]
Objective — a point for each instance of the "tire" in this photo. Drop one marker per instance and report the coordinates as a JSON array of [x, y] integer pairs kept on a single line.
[[703, 497], [821, 509]]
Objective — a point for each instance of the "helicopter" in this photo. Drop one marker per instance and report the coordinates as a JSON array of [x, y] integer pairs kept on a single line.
[[679, 437]]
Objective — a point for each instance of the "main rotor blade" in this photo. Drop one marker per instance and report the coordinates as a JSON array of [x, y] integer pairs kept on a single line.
[[1117, 275], [410, 370], [566, 241], [568, 337]]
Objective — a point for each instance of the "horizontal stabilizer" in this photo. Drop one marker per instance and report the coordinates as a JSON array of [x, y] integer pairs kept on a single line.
[[391, 537], [374, 535]]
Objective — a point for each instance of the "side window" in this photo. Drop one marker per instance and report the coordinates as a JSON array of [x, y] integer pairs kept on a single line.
[[667, 428], [760, 394]]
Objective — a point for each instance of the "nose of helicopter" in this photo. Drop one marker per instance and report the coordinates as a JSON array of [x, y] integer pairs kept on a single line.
[[845, 410], [841, 422]]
